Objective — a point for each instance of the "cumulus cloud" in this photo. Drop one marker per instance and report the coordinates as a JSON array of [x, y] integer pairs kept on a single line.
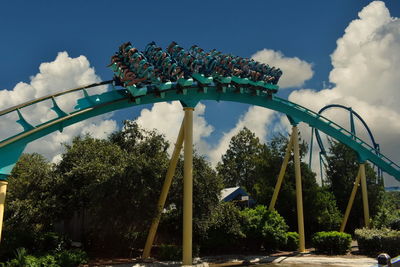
[[295, 70], [167, 119], [61, 74], [365, 77]]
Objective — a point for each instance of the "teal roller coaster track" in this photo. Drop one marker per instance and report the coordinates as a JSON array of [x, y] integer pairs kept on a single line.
[[90, 105]]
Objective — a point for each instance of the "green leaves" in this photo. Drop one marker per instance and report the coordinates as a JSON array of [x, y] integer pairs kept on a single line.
[[239, 162], [331, 242]]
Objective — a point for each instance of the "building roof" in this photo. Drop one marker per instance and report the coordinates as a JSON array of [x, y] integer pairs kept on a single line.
[[228, 191]]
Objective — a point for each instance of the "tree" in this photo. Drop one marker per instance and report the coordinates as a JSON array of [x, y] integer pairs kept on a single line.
[[29, 198], [30, 204], [238, 164], [321, 212], [341, 174], [86, 164]]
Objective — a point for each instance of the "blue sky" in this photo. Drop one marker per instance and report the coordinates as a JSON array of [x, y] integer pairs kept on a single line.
[[34, 32]]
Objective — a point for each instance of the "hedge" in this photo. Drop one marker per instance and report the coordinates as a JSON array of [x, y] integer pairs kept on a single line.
[[292, 242], [331, 242], [375, 241]]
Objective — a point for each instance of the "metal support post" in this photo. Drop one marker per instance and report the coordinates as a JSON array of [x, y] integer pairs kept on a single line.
[[281, 174], [364, 194], [164, 192], [188, 187], [351, 201], [3, 190], [299, 194]]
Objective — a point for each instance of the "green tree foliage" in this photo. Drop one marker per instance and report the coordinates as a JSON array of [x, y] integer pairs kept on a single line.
[[256, 166], [224, 233], [238, 165], [111, 183], [388, 215], [341, 173], [29, 198], [106, 188], [331, 242], [86, 165], [30, 204], [263, 228]]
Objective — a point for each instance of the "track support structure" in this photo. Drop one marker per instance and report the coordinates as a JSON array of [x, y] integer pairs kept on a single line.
[[351, 201], [188, 187], [164, 193], [361, 177], [364, 194], [281, 174], [293, 144], [3, 191], [299, 191]]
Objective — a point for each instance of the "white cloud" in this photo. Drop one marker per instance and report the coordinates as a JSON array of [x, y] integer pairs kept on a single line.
[[167, 119], [295, 70], [365, 73], [61, 74]]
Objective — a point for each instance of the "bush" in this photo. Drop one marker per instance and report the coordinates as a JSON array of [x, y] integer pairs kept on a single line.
[[224, 232], [71, 258], [292, 242], [264, 227], [66, 258], [169, 253], [331, 242], [375, 241]]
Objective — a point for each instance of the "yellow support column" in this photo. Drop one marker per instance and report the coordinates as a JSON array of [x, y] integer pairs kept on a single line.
[[3, 190], [164, 193], [187, 187], [364, 194], [281, 174], [351, 201], [299, 193]]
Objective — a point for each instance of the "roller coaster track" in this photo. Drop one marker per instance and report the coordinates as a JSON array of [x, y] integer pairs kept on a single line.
[[96, 104]]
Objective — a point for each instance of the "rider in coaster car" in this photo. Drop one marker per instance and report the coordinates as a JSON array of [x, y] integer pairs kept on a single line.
[[171, 46]]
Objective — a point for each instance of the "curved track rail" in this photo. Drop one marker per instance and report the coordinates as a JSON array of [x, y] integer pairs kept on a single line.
[[94, 105]]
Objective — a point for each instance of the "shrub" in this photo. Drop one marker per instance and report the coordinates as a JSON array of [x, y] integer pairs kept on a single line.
[[169, 252], [331, 242], [224, 232], [292, 242], [22, 259], [375, 241], [264, 227], [71, 258]]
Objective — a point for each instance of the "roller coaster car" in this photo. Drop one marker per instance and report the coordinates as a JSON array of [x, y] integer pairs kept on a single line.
[[135, 91], [185, 82], [240, 81], [164, 86], [269, 86], [263, 85], [223, 80], [202, 79]]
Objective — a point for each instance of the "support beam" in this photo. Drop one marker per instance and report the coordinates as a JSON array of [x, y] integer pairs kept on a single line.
[[164, 193], [299, 193], [351, 201], [364, 194], [187, 187], [281, 174], [3, 190]]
